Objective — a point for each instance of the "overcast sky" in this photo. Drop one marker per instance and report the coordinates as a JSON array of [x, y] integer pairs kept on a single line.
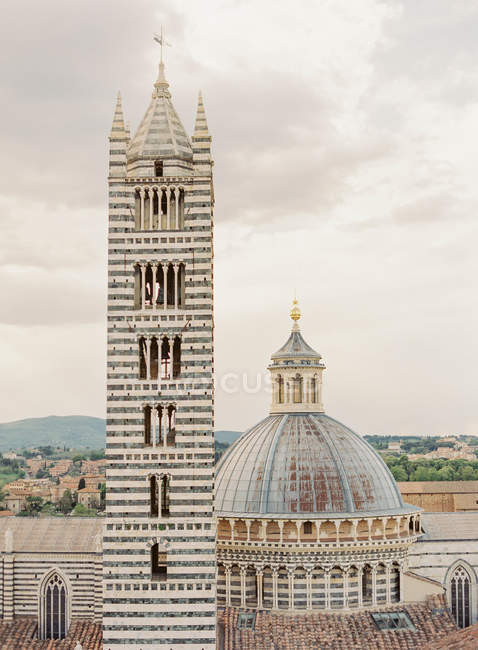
[[346, 154]]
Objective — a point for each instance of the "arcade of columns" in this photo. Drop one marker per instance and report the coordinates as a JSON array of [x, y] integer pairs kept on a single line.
[[149, 202], [318, 564]]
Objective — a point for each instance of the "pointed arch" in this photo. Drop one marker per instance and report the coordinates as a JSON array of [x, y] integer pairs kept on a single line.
[[459, 582], [176, 357], [54, 605]]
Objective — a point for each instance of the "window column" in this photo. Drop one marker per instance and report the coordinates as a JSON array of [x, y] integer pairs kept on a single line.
[[259, 574], [243, 586], [360, 586], [143, 285], [291, 588], [176, 269], [147, 342], [154, 411], [141, 219], [387, 584], [275, 596], [165, 289], [374, 584], [176, 204], [227, 571], [168, 209], [308, 582], [327, 588]]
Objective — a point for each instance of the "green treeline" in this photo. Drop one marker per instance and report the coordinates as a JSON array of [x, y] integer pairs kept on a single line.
[[404, 469]]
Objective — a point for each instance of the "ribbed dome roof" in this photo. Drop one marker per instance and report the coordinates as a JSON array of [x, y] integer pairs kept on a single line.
[[304, 464], [161, 133], [296, 347]]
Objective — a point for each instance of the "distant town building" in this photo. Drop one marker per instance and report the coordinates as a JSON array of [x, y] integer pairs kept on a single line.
[[89, 497], [441, 496]]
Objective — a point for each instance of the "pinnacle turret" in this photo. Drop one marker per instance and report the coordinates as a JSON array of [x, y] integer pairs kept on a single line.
[[201, 141], [118, 141]]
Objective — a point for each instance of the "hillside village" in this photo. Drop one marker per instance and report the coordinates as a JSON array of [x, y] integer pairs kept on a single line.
[[52, 481]]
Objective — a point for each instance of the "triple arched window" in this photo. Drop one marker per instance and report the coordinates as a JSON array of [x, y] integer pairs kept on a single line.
[[53, 615], [159, 358]]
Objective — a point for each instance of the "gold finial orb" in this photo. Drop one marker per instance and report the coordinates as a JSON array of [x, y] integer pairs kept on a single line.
[[295, 311]]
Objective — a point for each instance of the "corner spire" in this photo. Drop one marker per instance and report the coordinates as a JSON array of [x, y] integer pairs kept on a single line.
[[118, 118], [200, 127]]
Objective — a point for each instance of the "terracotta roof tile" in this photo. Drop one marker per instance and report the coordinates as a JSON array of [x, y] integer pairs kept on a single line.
[[21, 634]]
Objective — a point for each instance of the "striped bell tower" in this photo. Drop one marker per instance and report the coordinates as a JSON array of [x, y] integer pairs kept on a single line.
[[159, 538]]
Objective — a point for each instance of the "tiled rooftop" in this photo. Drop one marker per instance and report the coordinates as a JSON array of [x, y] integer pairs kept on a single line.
[[21, 634], [330, 631], [52, 534], [449, 525], [466, 639]]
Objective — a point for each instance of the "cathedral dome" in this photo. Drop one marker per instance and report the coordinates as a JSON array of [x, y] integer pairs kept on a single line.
[[299, 461], [304, 463]]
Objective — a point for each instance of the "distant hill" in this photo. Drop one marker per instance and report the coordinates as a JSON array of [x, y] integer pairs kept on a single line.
[[71, 430], [227, 436], [76, 431]]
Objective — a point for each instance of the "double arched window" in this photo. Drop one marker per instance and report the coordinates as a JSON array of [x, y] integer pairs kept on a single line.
[[460, 596], [53, 607]]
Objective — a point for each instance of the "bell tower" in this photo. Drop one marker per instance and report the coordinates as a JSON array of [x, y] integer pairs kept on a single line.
[[159, 539]]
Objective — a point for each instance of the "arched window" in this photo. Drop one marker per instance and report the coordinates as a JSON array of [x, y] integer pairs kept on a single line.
[[142, 358], [169, 269], [297, 389], [147, 425], [181, 209], [165, 358], [367, 585], [171, 435], [460, 595], [158, 167], [313, 390], [137, 287], [180, 287], [176, 357], [165, 496], [159, 566], [53, 608], [153, 496], [81, 484], [153, 354], [280, 390]]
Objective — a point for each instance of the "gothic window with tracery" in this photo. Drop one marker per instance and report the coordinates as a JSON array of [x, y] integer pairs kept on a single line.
[[460, 596], [53, 608]]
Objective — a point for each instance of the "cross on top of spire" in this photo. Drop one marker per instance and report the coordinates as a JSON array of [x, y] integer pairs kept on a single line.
[[161, 40]]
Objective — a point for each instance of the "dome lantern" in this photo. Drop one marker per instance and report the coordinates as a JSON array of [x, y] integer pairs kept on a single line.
[[296, 373]]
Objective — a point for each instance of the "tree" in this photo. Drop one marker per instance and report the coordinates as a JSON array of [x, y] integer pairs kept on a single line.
[[65, 504], [82, 511], [33, 505], [97, 454], [42, 473], [78, 458], [399, 473]]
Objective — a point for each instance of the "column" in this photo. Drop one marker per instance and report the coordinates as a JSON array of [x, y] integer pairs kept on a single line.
[[248, 526], [165, 425], [387, 587], [141, 218], [275, 595], [168, 209], [291, 588], [259, 588], [143, 286], [148, 358], [227, 571], [243, 586], [176, 269], [165, 277], [327, 588], [345, 573], [400, 582], [150, 197], [308, 581], [176, 203], [155, 270], [354, 530], [374, 585], [281, 529], [154, 411], [359, 585]]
